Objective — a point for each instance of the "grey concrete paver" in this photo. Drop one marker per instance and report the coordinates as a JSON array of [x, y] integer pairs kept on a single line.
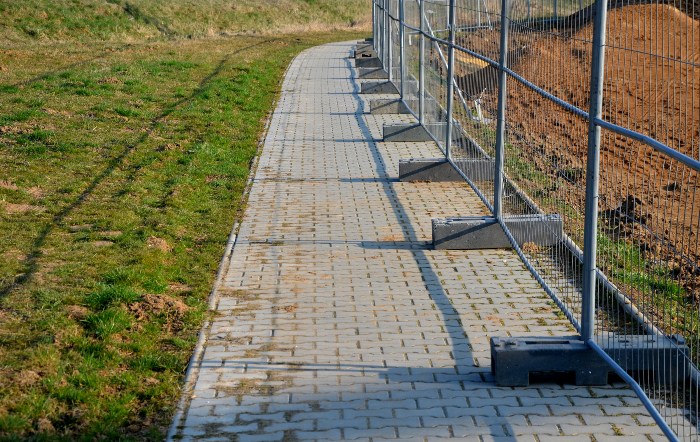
[[337, 321]]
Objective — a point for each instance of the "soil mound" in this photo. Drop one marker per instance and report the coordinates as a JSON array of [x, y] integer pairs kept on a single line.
[[652, 86]]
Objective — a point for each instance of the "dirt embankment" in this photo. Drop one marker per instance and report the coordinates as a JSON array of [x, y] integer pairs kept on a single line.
[[652, 86]]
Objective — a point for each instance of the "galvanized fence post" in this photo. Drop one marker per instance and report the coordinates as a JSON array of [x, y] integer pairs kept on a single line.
[[382, 24], [380, 30], [379, 35], [590, 229], [421, 65], [389, 42], [402, 49], [374, 25], [501, 118], [450, 79]]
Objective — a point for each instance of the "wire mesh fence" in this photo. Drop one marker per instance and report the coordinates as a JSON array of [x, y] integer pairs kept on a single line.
[[590, 112]]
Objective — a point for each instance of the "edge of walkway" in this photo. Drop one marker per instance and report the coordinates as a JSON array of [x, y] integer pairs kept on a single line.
[[195, 360]]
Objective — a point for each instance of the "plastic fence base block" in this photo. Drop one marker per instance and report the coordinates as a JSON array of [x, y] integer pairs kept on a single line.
[[388, 107], [374, 87], [513, 359], [484, 232], [366, 51], [406, 132], [665, 358], [373, 73], [368, 62], [427, 169]]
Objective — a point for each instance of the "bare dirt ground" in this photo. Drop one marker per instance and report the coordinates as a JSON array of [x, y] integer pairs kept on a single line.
[[652, 86], [649, 201]]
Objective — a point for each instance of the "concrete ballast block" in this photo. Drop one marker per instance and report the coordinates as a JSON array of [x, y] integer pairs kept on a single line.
[[484, 232], [468, 233]]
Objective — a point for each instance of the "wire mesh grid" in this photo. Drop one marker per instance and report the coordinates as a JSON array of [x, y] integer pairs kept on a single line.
[[397, 45], [647, 215], [412, 51], [546, 144], [435, 16]]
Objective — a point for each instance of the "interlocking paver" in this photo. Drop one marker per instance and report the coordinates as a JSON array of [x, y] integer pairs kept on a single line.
[[337, 321]]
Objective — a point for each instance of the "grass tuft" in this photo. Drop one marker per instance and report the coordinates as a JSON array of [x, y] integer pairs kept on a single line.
[[109, 295]]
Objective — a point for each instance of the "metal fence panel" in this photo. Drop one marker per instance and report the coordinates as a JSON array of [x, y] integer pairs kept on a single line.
[[619, 165]]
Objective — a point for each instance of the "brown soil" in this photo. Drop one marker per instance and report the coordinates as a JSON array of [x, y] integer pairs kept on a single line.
[[652, 85], [44, 425], [77, 312], [178, 287], [4, 184], [171, 309], [110, 80], [27, 378], [15, 255], [12, 209], [102, 243], [36, 192], [286, 308], [80, 228], [158, 243], [657, 95]]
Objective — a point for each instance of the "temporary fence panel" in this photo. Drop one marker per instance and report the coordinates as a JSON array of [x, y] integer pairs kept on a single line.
[[589, 111]]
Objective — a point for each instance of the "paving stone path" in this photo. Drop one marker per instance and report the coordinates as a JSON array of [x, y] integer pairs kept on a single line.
[[335, 319]]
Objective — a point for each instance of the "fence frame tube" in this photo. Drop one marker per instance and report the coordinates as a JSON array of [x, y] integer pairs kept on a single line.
[[402, 49], [380, 31], [421, 64], [450, 77], [374, 24], [590, 232], [668, 432], [501, 118], [389, 42]]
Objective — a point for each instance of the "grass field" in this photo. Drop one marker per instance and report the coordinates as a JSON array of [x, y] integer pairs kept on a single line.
[[127, 131], [136, 20]]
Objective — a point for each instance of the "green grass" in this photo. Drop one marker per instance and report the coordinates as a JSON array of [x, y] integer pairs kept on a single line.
[[627, 265], [124, 162], [138, 20], [650, 284]]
